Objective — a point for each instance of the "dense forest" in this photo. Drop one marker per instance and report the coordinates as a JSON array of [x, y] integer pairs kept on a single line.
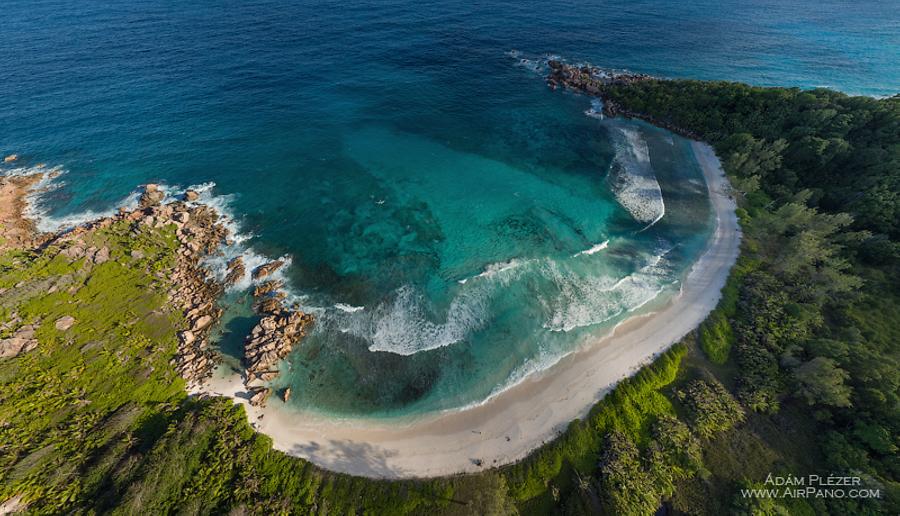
[[814, 331], [796, 372]]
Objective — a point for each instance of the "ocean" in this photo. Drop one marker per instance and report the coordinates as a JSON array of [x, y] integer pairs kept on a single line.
[[453, 224]]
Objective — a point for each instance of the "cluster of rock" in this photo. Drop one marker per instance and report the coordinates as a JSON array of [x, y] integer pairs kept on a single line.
[[235, 271], [193, 291], [270, 341], [16, 231], [589, 79], [200, 233], [273, 337], [593, 80], [22, 341], [266, 270]]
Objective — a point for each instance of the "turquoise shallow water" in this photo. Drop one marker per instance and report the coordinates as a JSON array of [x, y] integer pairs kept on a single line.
[[436, 199]]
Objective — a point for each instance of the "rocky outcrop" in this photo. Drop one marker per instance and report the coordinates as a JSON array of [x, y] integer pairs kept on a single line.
[[16, 231], [595, 81], [193, 291], [589, 79], [264, 271], [266, 288], [270, 341], [196, 292], [269, 304], [152, 196], [236, 271], [22, 341]]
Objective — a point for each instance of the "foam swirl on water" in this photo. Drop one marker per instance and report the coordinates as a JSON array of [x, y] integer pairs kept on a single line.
[[632, 179], [402, 326], [593, 249], [586, 301]]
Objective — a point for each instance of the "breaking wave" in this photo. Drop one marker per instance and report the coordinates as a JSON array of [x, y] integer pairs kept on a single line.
[[495, 269], [37, 211], [593, 249], [350, 309], [596, 109], [632, 179], [403, 327], [536, 64], [586, 301]]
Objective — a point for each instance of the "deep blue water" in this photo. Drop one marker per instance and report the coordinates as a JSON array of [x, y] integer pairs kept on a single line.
[[431, 192]]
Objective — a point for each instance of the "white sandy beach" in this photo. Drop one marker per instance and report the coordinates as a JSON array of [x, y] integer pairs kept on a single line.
[[518, 420]]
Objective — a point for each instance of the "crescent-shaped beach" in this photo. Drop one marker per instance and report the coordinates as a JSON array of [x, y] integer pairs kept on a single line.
[[510, 425]]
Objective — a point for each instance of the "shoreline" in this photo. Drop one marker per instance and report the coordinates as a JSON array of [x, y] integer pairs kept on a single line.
[[515, 422], [16, 230]]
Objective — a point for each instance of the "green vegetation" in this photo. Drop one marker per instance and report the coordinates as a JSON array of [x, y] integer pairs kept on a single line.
[[795, 372], [711, 408], [716, 337], [814, 325]]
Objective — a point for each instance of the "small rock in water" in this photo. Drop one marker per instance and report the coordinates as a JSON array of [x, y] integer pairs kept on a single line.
[[10, 158], [151, 197], [64, 323], [264, 270], [191, 196], [236, 270], [267, 288]]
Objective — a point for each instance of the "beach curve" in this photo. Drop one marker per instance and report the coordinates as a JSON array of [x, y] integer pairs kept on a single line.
[[515, 422]]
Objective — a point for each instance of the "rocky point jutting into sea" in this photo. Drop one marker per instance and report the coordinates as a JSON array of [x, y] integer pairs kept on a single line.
[[592, 80], [193, 290]]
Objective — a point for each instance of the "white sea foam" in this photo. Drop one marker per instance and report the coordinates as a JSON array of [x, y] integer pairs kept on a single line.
[[587, 301], [536, 64], [52, 179], [402, 326], [348, 308], [496, 270], [596, 109], [593, 249], [239, 240], [632, 179], [536, 364]]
